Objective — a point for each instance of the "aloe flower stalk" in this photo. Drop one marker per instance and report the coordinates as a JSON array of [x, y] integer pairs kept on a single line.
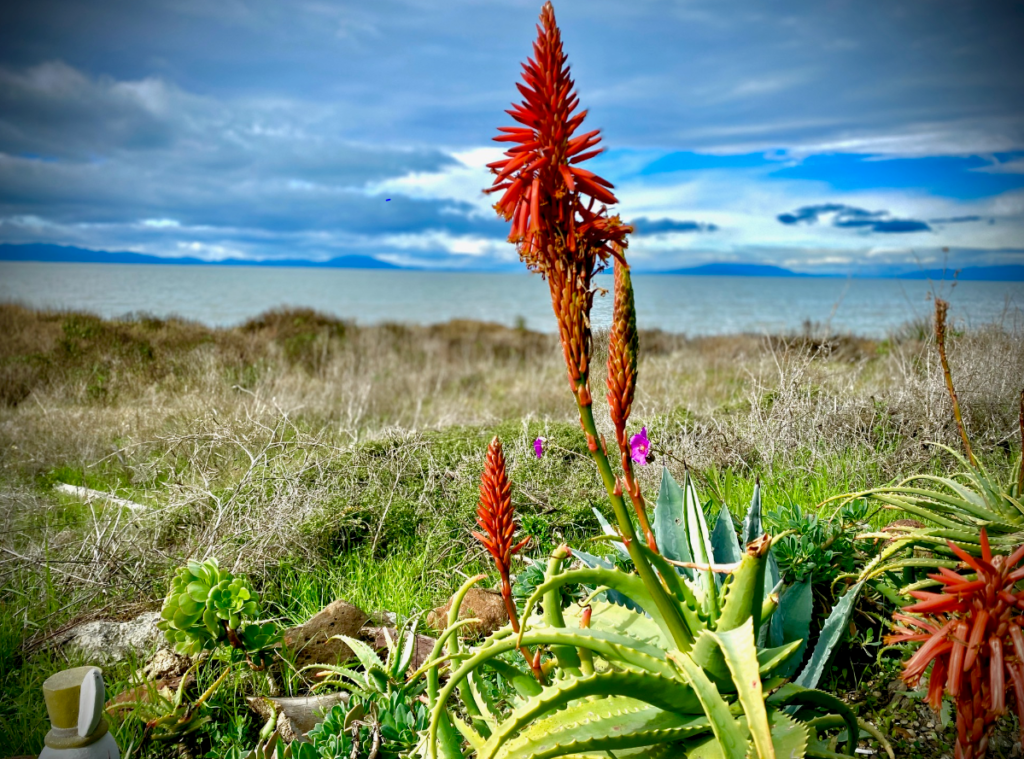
[[623, 351], [971, 635], [556, 233], [496, 516], [567, 242]]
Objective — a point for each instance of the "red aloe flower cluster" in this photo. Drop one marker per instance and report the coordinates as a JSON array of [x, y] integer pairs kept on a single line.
[[556, 233], [972, 638], [496, 516]]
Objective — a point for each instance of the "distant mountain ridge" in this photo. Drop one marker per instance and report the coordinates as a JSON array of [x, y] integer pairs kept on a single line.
[[47, 253], [738, 270], [68, 254]]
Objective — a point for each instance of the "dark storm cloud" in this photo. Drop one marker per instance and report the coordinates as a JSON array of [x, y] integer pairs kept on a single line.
[[645, 226], [850, 217]]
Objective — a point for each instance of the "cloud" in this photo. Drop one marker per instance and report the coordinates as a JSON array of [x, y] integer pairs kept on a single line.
[[846, 217], [645, 226]]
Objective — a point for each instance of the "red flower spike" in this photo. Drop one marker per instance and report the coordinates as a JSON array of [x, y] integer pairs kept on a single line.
[[553, 228]]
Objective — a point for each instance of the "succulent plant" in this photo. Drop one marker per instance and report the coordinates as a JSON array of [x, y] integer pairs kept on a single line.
[[971, 636], [207, 607]]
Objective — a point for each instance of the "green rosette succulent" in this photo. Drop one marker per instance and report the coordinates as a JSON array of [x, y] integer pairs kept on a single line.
[[207, 607]]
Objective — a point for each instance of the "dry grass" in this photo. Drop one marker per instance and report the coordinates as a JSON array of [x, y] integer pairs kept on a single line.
[[296, 434]]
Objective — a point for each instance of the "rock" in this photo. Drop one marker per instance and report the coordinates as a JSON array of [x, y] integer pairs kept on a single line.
[[296, 715], [424, 644], [166, 664], [312, 642], [383, 618], [485, 605], [106, 641]]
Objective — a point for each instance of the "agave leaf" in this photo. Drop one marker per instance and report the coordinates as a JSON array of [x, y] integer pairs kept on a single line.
[[670, 523], [724, 543], [752, 528], [831, 634], [792, 622], [607, 529], [607, 724], [730, 735], [700, 540], [610, 594]]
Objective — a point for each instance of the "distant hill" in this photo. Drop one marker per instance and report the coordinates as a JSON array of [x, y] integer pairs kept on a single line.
[[1007, 273], [68, 254], [736, 270]]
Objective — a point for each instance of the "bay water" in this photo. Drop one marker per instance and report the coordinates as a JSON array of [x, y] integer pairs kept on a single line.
[[702, 305]]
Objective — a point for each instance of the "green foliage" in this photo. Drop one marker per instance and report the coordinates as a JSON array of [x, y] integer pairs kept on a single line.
[[618, 680], [207, 607], [819, 550]]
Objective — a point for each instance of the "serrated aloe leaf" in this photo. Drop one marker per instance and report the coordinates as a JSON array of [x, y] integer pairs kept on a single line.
[[831, 634], [525, 684], [792, 622], [366, 655], [610, 617], [670, 523], [730, 735], [607, 529], [607, 724], [724, 543], [611, 595], [473, 738], [666, 693], [752, 527], [789, 737], [630, 585], [741, 657]]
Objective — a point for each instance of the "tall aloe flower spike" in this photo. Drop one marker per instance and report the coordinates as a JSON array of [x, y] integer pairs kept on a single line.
[[623, 351], [567, 242], [556, 233], [972, 638]]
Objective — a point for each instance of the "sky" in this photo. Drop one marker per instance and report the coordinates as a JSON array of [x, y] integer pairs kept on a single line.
[[826, 136]]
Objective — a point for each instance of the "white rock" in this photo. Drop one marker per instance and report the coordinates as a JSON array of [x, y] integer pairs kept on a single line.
[[106, 641]]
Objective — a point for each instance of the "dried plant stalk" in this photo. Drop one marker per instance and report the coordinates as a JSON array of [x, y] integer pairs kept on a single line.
[[941, 307]]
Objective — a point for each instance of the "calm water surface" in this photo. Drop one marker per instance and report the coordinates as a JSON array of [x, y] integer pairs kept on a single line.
[[694, 305]]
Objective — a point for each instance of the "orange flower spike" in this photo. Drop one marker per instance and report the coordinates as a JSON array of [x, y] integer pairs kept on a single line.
[[495, 514]]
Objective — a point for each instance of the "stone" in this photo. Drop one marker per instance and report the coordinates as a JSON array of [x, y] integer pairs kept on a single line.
[[297, 715], [162, 675], [485, 605], [311, 642], [424, 644], [106, 641]]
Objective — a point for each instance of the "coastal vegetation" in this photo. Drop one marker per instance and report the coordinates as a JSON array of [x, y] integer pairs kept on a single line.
[[238, 484]]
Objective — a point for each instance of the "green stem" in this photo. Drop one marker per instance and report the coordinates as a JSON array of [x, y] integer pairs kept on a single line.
[[673, 619]]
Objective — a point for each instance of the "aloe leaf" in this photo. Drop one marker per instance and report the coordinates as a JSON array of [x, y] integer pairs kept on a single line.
[[609, 617], [831, 634], [525, 684], [741, 657], [366, 655], [665, 693], [789, 737], [792, 622], [610, 594], [607, 724], [670, 523], [473, 738], [730, 735]]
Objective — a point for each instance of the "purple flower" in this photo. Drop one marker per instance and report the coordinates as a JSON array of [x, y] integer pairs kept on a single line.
[[538, 446], [640, 447]]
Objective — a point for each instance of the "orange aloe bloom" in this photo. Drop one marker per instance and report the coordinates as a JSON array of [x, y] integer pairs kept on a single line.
[[496, 516], [971, 635], [556, 233]]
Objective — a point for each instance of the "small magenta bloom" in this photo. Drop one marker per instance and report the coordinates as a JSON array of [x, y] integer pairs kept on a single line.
[[538, 446], [640, 447]]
